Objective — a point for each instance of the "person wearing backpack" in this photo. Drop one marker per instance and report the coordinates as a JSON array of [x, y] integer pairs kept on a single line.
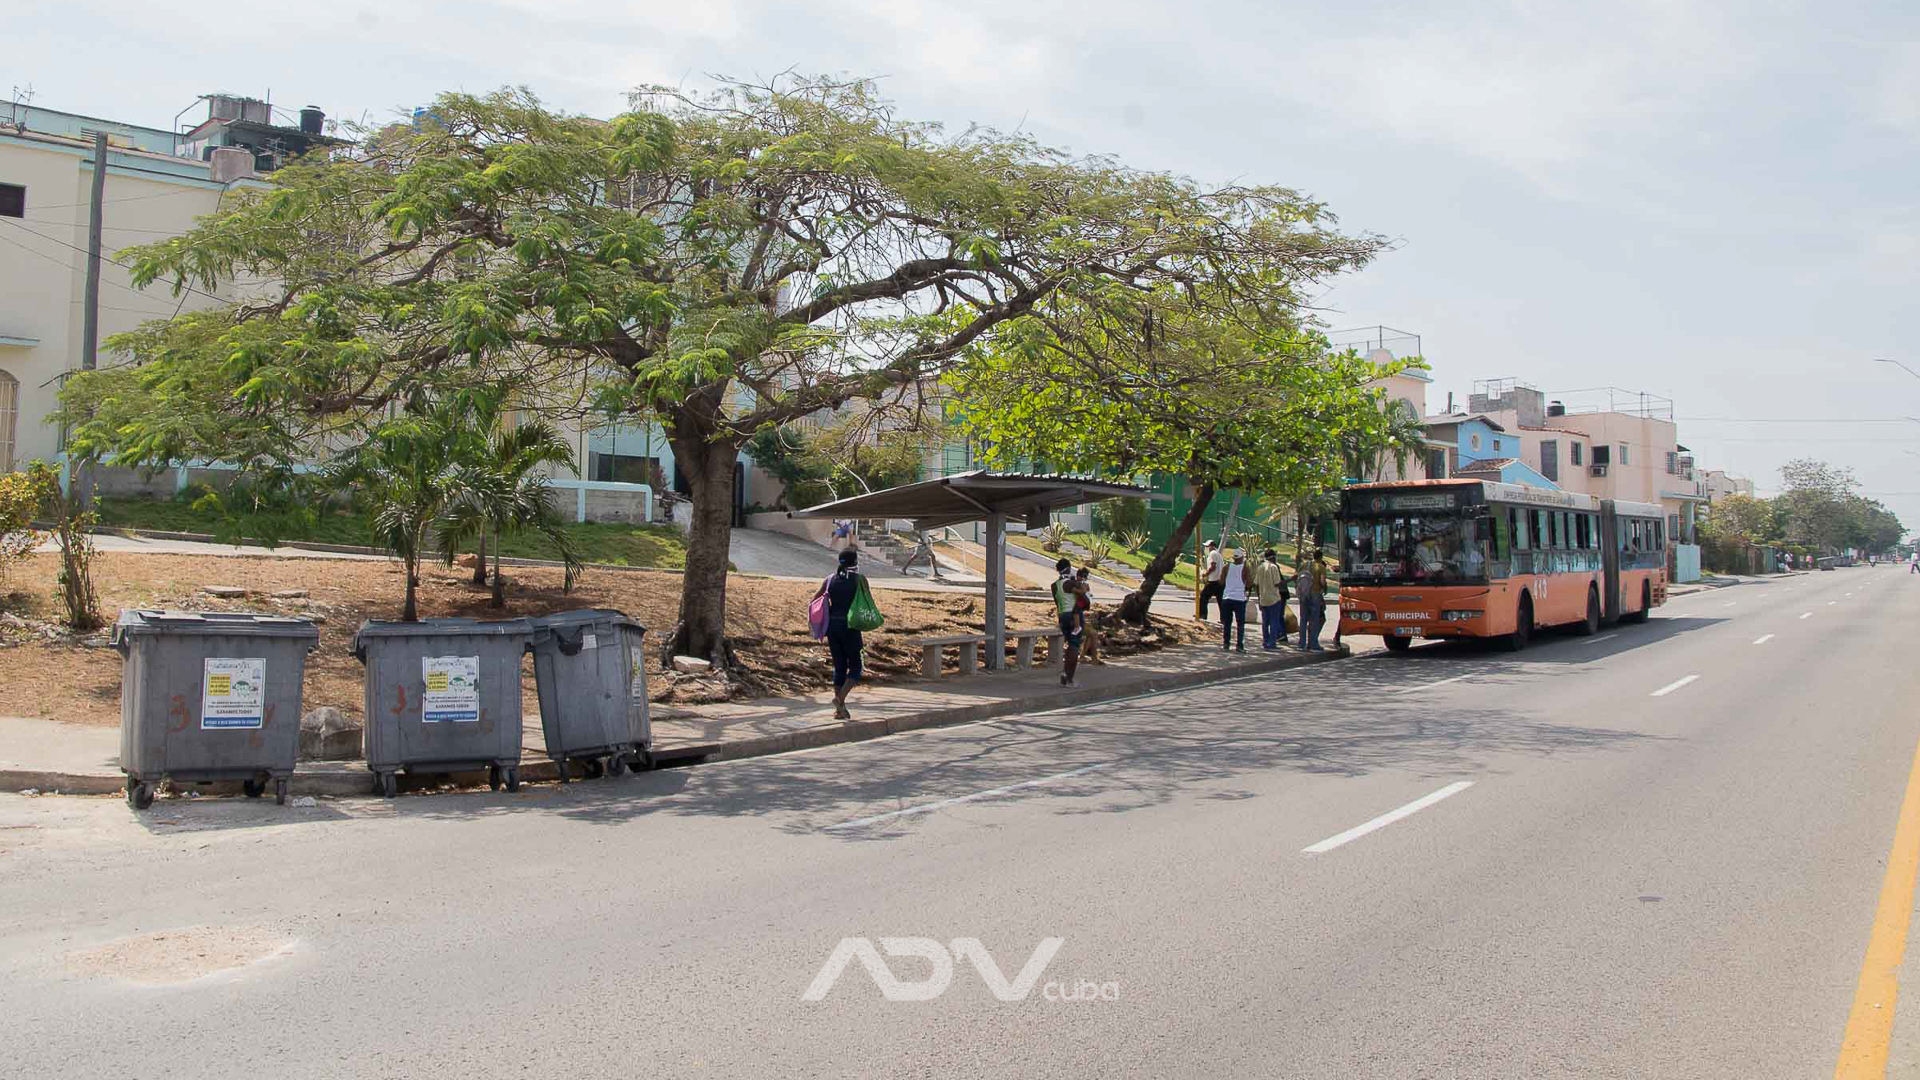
[[846, 586], [1066, 593]]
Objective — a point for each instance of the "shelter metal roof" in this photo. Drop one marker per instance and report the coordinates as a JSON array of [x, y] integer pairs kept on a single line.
[[975, 496]]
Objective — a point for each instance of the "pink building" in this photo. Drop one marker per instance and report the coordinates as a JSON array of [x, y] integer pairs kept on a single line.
[[1605, 442]]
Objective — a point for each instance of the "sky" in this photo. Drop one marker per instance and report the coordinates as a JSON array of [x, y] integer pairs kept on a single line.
[[1713, 202]]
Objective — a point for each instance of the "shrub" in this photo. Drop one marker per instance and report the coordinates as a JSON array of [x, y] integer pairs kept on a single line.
[[19, 502], [1136, 539], [1117, 517], [1052, 536]]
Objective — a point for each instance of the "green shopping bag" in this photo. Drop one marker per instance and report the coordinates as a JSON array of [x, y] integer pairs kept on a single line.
[[863, 614]]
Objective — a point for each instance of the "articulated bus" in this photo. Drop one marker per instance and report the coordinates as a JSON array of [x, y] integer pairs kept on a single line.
[[1474, 558]]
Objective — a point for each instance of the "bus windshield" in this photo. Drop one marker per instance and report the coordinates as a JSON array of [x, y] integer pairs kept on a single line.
[[1405, 549]]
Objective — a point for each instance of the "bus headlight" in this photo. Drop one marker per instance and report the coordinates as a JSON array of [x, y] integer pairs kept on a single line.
[[1460, 616], [1360, 616]]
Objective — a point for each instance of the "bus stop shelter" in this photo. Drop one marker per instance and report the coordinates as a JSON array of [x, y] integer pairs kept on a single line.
[[993, 498]]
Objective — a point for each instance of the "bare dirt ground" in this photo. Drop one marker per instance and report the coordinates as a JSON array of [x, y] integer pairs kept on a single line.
[[69, 680]]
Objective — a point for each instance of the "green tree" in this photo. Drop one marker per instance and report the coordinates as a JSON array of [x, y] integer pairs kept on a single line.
[[1131, 382], [726, 264], [506, 489], [415, 474]]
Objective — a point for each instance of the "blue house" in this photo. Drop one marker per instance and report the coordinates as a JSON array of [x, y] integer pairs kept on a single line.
[[1477, 446]]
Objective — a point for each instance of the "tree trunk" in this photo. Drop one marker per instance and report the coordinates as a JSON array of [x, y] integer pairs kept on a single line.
[[480, 567], [703, 590], [1299, 536], [1135, 607], [499, 580], [411, 612]]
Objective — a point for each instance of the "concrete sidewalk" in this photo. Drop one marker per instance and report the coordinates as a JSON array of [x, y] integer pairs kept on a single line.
[[51, 756]]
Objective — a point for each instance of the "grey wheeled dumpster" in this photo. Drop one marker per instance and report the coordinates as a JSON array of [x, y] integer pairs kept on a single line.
[[212, 696], [443, 695], [591, 672]]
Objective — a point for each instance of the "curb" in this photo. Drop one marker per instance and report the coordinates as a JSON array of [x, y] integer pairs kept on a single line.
[[352, 778]]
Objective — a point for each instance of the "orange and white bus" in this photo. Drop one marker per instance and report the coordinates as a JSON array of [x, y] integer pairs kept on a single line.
[[1475, 558]]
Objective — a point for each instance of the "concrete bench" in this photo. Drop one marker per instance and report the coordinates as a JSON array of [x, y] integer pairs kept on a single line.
[[933, 648], [1023, 645]]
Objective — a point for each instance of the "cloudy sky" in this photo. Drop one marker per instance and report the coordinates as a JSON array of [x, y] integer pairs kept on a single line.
[[1714, 202]]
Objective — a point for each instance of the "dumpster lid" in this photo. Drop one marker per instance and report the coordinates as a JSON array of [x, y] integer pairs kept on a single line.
[[439, 627], [580, 616], [521, 628], [135, 621]]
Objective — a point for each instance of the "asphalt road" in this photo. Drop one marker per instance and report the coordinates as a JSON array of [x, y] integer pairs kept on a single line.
[[1652, 853]]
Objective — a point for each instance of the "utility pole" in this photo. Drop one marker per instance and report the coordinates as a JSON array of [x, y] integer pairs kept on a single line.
[[90, 327]]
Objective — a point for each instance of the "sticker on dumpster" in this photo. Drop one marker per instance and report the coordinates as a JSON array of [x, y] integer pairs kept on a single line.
[[453, 689], [234, 692], [588, 641], [639, 674]]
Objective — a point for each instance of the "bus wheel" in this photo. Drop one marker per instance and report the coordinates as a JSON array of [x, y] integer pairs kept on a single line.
[[1646, 605], [1522, 625], [1592, 625], [1399, 644]]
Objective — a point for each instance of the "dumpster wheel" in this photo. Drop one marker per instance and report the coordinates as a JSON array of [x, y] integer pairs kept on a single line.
[[139, 795], [280, 791], [493, 777], [616, 764], [513, 779], [592, 768], [389, 785]]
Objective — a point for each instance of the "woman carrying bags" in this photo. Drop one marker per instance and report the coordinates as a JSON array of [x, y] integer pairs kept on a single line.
[[849, 610]]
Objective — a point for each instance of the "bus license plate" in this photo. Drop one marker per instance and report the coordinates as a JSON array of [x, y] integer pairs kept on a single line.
[[1406, 631]]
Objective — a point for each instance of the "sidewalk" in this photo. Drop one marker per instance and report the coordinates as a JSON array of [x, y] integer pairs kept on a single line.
[[83, 759]]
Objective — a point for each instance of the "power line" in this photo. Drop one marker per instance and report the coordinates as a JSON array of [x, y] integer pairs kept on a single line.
[[83, 251], [69, 267], [129, 198], [1745, 420], [117, 228]]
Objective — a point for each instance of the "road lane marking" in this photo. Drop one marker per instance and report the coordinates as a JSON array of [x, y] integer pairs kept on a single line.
[[1763, 639], [1431, 685], [929, 807], [1672, 686], [1387, 818], [1869, 1035], [1601, 638], [1730, 603], [1806, 614], [1830, 603]]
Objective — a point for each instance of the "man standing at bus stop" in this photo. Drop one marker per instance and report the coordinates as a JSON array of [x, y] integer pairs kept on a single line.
[[1270, 579]]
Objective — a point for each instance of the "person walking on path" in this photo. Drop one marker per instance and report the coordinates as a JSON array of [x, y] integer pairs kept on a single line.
[[1066, 601], [843, 642], [1234, 587], [1270, 581], [1913, 561], [1211, 582]]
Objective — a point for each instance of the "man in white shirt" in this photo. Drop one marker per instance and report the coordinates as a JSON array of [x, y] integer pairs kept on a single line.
[[1233, 601], [1211, 581]]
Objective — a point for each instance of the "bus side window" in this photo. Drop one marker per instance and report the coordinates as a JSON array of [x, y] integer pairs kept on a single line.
[[1517, 523], [1502, 538]]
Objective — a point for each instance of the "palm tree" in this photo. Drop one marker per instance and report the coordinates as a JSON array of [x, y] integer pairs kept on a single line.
[[411, 472], [507, 492], [1403, 434]]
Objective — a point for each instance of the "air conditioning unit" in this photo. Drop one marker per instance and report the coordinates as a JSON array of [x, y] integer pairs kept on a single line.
[[1598, 470]]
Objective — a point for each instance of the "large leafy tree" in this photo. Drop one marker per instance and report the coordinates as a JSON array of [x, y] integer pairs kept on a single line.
[[726, 264], [1127, 382]]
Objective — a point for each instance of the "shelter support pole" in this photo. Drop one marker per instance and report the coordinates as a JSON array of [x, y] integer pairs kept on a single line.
[[996, 591]]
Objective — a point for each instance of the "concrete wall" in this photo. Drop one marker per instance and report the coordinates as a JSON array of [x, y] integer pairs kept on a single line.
[[819, 532]]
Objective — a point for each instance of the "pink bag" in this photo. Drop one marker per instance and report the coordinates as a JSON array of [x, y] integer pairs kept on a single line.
[[817, 614]]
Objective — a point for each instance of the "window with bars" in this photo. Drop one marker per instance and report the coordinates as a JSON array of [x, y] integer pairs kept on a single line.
[[9, 418], [1574, 449], [13, 201], [1550, 459]]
